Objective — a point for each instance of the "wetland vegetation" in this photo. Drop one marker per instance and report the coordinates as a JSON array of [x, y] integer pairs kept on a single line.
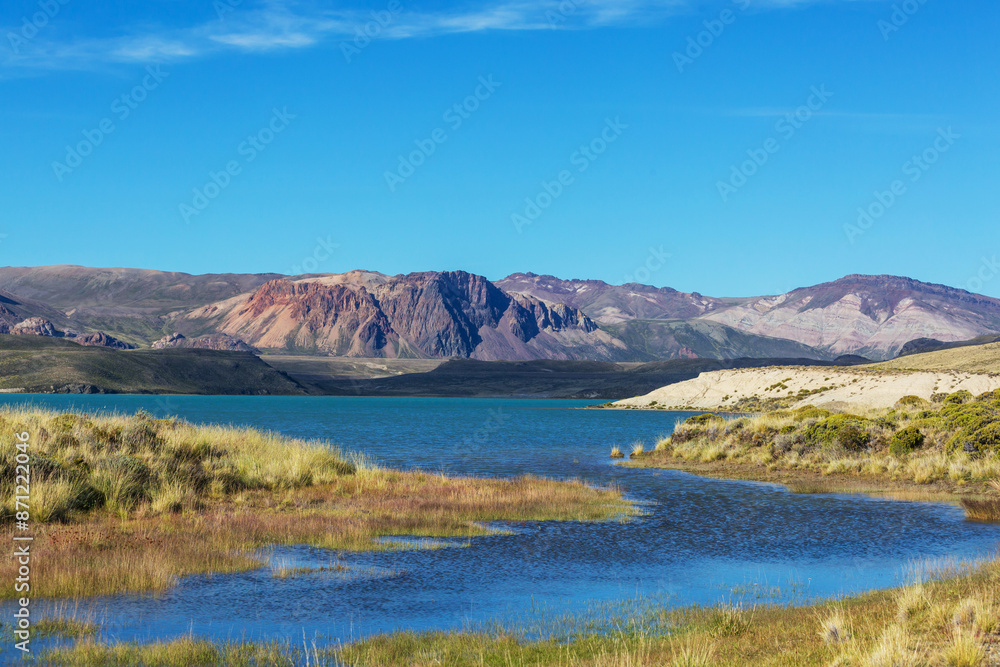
[[130, 503]]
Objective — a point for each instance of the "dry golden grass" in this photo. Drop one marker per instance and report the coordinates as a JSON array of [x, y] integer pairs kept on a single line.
[[867, 630], [208, 499], [777, 447], [972, 359]]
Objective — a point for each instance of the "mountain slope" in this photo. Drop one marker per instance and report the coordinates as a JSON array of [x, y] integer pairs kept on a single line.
[[449, 314], [611, 304], [873, 316], [524, 316], [704, 339]]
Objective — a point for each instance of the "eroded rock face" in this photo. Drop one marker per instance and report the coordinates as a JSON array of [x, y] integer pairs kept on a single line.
[[612, 304], [173, 340], [99, 339], [36, 326], [219, 341], [447, 314]]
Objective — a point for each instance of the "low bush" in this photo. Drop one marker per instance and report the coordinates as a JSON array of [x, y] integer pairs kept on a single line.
[[905, 441], [848, 431]]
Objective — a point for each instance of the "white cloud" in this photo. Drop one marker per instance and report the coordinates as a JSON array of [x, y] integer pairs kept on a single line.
[[286, 25]]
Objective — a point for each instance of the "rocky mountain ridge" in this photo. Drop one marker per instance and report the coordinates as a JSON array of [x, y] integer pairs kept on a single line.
[[521, 317]]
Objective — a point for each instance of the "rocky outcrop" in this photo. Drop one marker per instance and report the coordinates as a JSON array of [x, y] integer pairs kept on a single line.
[[98, 339], [36, 326], [612, 304], [39, 326], [220, 341]]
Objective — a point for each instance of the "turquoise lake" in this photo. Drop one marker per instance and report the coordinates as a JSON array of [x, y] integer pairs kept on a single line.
[[702, 541]]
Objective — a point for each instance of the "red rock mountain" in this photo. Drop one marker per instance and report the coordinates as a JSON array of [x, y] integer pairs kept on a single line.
[[446, 314]]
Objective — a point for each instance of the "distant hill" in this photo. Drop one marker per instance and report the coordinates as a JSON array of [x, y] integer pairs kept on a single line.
[[54, 365], [981, 358], [921, 345], [540, 378], [438, 315]]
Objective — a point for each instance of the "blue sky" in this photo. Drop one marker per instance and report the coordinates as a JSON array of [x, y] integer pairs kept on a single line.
[[592, 139]]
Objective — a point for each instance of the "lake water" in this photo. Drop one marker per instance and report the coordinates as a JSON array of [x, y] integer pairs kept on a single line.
[[703, 541]]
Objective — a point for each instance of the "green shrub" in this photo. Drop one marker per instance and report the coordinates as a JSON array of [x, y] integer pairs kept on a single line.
[[785, 430], [958, 398], [984, 440], [848, 431], [810, 412], [906, 441], [913, 402], [64, 423]]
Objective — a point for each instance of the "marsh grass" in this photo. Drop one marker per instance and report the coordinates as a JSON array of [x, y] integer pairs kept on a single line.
[[952, 451], [774, 635], [835, 628], [964, 651], [911, 601], [129, 504]]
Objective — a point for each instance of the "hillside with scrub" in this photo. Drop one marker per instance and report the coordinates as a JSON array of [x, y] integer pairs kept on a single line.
[[950, 445], [965, 359]]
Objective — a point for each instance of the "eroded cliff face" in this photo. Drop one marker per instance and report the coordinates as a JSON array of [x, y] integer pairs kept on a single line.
[[612, 304], [446, 314]]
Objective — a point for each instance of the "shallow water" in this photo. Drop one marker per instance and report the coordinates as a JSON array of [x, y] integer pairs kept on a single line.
[[703, 541]]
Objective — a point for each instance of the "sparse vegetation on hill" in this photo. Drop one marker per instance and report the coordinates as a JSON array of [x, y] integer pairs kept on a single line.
[[36, 364], [952, 445], [966, 359]]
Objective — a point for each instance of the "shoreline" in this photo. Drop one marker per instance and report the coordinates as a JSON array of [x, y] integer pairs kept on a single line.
[[812, 481], [128, 504], [949, 613]]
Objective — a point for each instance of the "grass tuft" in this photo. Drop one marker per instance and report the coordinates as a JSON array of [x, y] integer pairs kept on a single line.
[[964, 651]]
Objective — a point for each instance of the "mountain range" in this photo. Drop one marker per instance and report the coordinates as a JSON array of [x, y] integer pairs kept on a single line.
[[455, 314]]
